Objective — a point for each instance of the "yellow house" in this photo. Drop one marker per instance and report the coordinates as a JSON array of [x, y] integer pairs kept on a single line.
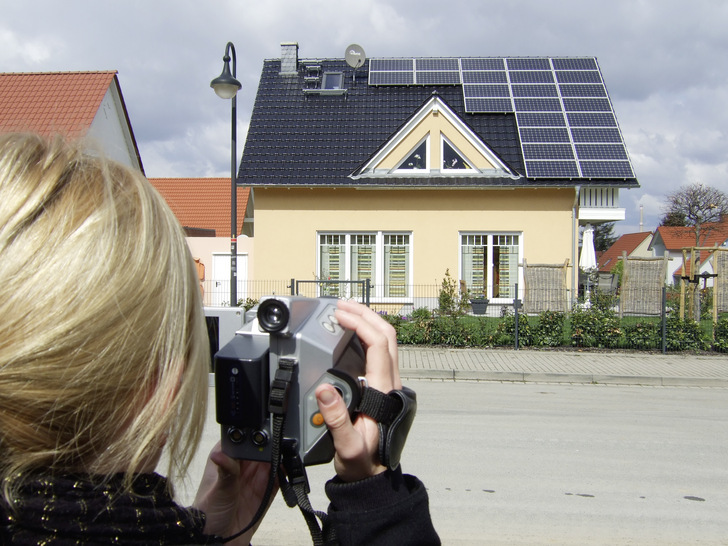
[[394, 171]]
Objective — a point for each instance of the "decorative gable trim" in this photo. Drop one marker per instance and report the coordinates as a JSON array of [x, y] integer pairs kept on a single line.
[[444, 133]]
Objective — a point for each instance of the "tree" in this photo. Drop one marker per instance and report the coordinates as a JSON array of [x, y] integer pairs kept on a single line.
[[700, 206], [673, 219], [604, 236]]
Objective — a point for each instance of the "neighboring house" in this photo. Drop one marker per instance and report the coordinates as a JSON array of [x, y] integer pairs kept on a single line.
[[636, 245], [672, 240], [71, 104], [400, 169], [202, 206]]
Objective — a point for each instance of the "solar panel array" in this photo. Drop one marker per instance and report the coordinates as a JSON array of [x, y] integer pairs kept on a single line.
[[565, 119]]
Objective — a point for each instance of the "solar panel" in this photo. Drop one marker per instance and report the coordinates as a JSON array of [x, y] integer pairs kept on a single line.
[[582, 90], [548, 151], [591, 119], [587, 105], [528, 63], [391, 78], [488, 105], [597, 135], [601, 151], [531, 77], [578, 77], [586, 63], [435, 78], [483, 76], [483, 64], [607, 169], [437, 64], [552, 169], [534, 90], [537, 105], [563, 112], [484, 91], [544, 135], [541, 119]]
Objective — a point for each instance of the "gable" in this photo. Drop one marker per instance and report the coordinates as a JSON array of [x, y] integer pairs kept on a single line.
[[432, 134]]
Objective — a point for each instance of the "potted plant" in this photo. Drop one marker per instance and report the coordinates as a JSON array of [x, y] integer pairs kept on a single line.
[[479, 304]]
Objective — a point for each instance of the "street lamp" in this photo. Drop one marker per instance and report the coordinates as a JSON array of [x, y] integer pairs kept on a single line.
[[226, 87]]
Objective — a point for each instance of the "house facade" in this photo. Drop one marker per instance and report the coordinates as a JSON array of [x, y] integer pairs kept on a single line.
[[671, 241], [202, 207], [398, 170]]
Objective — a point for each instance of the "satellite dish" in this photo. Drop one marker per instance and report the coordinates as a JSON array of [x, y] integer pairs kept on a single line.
[[355, 56]]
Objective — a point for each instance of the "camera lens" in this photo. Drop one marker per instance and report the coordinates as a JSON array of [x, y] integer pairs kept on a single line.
[[273, 315]]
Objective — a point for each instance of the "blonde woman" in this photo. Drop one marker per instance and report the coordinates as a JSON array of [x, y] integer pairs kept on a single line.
[[103, 365]]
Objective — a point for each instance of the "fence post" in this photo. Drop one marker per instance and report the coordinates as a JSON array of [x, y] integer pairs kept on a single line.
[[516, 306], [368, 292], [293, 287], [664, 319]]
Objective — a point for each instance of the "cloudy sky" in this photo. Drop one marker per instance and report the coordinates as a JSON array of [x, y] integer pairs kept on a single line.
[[665, 64]]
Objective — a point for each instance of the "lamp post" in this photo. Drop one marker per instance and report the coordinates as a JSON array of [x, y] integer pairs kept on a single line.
[[226, 87]]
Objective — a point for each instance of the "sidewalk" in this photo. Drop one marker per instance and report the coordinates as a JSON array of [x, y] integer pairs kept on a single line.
[[554, 366]]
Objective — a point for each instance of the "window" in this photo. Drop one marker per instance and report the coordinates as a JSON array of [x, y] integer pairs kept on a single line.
[[417, 160], [383, 258], [489, 264], [452, 159], [332, 80]]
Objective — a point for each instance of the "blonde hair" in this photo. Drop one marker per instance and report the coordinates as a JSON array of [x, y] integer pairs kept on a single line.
[[103, 347]]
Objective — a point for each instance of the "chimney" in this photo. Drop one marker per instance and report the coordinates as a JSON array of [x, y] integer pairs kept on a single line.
[[289, 59]]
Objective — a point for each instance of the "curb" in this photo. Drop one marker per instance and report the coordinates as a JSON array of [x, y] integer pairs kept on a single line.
[[533, 377]]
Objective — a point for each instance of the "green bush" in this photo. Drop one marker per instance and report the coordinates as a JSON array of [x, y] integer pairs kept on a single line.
[[550, 329], [594, 327], [720, 333], [684, 335], [450, 301], [505, 333], [642, 335]]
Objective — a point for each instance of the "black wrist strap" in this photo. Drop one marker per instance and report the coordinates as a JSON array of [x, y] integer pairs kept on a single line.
[[394, 413]]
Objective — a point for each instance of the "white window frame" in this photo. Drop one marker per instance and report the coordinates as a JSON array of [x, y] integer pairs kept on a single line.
[[428, 158], [378, 285], [489, 261], [454, 172], [337, 77]]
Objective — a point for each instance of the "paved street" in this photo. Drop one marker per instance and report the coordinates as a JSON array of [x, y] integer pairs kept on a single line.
[[522, 447], [558, 366]]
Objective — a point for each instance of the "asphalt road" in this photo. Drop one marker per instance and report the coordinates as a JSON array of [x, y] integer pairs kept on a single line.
[[533, 463]]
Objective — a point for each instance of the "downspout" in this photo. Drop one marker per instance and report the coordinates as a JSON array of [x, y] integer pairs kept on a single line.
[[574, 244]]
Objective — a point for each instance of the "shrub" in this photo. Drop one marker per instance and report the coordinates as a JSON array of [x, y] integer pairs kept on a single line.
[[643, 335], [505, 333], [684, 335], [594, 327], [720, 333], [450, 301], [550, 329]]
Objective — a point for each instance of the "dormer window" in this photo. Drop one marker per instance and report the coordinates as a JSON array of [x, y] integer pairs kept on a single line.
[[452, 159], [332, 80], [417, 160]]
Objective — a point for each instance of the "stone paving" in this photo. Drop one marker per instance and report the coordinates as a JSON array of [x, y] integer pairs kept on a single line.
[[559, 366]]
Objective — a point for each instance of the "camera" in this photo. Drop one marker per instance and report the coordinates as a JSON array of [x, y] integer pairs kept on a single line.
[[291, 338]]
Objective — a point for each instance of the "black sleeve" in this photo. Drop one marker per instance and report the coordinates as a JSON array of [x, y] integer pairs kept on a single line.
[[390, 508]]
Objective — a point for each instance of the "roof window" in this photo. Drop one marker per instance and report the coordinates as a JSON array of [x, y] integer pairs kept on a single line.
[[331, 83]]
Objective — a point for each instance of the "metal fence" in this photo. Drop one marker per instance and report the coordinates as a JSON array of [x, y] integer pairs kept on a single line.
[[593, 319]]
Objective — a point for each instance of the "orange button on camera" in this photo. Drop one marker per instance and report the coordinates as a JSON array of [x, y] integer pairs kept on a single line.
[[317, 419]]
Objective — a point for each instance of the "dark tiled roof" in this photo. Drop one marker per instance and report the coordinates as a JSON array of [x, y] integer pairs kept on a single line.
[[299, 139]]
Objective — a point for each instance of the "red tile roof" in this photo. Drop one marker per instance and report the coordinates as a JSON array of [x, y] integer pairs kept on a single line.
[[203, 202], [627, 243], [62, 103], [678, 237]]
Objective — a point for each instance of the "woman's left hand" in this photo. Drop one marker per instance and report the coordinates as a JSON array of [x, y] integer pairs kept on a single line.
[[230, 494]]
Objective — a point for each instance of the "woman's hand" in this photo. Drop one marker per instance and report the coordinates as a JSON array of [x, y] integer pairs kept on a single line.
[[230, 494], [357, 444]]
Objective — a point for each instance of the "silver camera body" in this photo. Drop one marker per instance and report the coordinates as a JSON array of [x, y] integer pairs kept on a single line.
[[291, 332]]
